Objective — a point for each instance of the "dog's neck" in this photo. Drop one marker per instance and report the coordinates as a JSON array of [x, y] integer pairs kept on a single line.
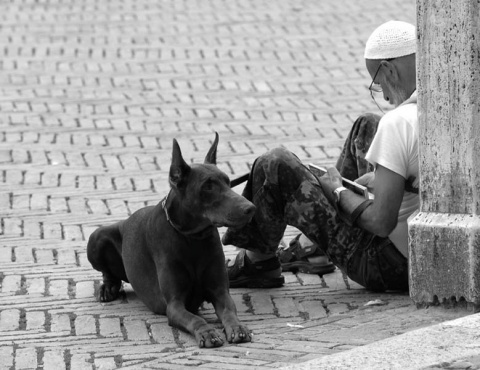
[[199, 232]]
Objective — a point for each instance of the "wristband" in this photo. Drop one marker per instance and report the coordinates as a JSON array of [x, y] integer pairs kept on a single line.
[[359, 210], [351, 219], [336, 194]]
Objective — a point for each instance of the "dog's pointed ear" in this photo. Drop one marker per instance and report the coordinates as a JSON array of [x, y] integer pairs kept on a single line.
[[179, 169], [212, 152]]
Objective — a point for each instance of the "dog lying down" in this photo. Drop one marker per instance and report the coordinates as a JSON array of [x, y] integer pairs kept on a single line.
[[171, 253]]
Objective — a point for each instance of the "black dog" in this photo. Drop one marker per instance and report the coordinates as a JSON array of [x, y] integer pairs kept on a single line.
[[171, 253]]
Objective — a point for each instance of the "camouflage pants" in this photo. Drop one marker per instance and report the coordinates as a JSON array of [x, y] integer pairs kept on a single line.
[[286, 193]]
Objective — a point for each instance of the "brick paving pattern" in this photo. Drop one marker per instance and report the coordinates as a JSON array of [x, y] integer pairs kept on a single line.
[[91, 95]]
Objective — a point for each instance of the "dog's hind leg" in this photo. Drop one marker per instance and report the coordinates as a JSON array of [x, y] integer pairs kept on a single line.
[[104, 253]]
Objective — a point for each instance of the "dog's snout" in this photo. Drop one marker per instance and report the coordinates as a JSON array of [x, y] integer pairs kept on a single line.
[[249, 210], [235, 212]]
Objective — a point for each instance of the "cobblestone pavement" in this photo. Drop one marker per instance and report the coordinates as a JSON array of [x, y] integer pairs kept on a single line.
[[92, 93]]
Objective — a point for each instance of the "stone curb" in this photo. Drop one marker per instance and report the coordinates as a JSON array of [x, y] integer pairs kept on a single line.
[[449, 345]]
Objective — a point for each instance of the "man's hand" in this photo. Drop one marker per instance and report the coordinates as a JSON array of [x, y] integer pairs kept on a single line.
[[367, 180], [330, 181], [380, 218]]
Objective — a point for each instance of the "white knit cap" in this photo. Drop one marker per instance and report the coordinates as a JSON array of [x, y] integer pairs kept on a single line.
[[392, 39]]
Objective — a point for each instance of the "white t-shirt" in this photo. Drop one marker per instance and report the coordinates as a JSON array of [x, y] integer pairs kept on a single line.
[[395, 146]]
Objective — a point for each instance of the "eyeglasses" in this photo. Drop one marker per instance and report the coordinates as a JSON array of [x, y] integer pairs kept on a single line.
[[374, 87]]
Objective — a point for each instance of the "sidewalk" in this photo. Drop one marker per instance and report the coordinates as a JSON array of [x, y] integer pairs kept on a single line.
[[449, 345], [92, 94]]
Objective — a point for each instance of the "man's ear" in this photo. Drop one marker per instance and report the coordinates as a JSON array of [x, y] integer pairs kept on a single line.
[[179, 169], [211, 157], [390, 70]]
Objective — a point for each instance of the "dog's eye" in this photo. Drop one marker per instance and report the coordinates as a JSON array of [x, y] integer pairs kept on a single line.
[[208, 185]]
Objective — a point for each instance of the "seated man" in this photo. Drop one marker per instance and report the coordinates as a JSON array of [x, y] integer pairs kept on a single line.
[[366, 239]]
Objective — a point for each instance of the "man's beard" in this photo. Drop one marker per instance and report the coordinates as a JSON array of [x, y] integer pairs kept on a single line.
[[397, 94]]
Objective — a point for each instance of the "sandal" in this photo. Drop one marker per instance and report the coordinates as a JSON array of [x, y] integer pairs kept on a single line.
[[247, 274], [309, 259]]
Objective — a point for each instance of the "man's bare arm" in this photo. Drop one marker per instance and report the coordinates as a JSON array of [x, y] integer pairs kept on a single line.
[[382, 216]]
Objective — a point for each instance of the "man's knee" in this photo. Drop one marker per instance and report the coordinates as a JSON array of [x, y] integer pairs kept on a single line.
[[278, 154], [365, 127], [281, 167], [368, 119], [362, 133]]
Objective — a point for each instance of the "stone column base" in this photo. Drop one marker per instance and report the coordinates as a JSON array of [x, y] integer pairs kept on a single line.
[[444, 257]]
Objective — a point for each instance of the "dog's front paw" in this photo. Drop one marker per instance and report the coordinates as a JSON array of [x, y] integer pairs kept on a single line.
[[109, 292], [238, 334], [208, 337]]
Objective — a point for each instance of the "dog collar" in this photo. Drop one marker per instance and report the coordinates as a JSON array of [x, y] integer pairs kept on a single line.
[[164, 206], [190, 233]]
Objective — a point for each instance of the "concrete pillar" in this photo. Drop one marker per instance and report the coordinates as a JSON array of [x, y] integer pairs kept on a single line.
[[445, 234]]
